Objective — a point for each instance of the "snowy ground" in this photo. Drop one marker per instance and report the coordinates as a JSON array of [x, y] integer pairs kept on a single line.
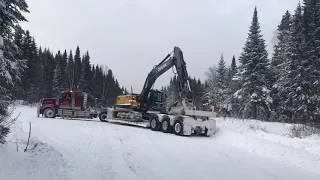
[[90, 149]]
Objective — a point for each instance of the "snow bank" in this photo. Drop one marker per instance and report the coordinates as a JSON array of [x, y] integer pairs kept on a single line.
[[40, 161], [271, 140]]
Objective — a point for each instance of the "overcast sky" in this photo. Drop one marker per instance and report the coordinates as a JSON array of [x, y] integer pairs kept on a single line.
[[131, 36]]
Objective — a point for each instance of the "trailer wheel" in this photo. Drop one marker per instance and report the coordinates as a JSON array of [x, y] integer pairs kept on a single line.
[[165, 126], [178, 127], [154, 123], [103, 116], [49, 113]]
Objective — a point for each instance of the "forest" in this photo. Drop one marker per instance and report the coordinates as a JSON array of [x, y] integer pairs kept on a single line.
[[47, 73], [284, 88]]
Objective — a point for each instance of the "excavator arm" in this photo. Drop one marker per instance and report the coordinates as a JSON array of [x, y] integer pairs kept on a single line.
[[173, 59]]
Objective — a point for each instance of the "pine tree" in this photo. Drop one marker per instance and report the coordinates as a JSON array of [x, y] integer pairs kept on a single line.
[[297, 80], [172, 93], [233, 68], [211, 80], [49, 66], [34, 73], [281, 49], [10, 63], [58, 81], [85, 77], [254, 72], [279, 60], [311, 30], [78, 68], [64, 68], [70, 71], [26, 77], [17, 91], [219, 90]]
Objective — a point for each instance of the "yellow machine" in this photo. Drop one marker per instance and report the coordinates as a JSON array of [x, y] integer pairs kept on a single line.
[[127, 101]]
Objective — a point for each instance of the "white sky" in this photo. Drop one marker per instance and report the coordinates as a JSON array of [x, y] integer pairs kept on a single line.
[[131, 36]]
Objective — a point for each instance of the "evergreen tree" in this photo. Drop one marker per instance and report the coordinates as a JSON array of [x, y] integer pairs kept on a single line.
[[17, 91], [219, 90], [64, 67], [70, 70], [279, 60], [58, 81], [233, 68], [211, 80], [254, 72], [85, 77], [10, 63], [27, 74], [172, 93], [311, 30], [282, 46], [78, 68], [297, 84], [34, 73], [49, 66]]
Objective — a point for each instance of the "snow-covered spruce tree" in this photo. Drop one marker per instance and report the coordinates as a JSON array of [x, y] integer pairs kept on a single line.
[[210, 90], [218, 92], [70, 70], [58, 80], [234, 85], [254, 71], [172, 92], [298, 83], [278, 62], [49, 65], [281, 48], [10, 66], [232, 69], [222, 95], [85, 82], [64, 65], [78, 67], [311, 30]]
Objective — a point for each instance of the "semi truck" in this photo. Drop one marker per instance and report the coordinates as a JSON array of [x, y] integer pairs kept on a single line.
[[73, 104]]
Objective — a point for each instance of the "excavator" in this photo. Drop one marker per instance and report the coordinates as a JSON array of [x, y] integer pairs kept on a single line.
[[181, 118]]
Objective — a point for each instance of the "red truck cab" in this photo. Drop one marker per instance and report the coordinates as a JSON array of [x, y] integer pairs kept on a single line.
[[66, 101]]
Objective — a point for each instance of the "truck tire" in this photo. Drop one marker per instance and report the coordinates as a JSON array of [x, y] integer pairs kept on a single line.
[[154, 123], [103, 116], [178, 127], [165, 126], [49, 113]]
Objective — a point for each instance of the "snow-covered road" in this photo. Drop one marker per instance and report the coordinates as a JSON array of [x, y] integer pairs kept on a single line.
[[95, 150]]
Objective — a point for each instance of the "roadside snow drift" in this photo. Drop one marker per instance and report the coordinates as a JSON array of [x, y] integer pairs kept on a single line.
[[89, 149]]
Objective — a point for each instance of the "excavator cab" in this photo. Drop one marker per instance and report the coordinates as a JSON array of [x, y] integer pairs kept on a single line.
[[155, 100]]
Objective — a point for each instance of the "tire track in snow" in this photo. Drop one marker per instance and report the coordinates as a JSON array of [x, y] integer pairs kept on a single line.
[[133, 164], [89, 155]]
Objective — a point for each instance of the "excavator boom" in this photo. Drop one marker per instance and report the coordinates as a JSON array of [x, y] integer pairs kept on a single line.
[[173, 59]]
